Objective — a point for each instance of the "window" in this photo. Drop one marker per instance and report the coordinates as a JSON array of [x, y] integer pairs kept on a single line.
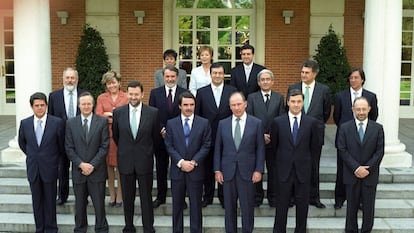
[[225, 25]]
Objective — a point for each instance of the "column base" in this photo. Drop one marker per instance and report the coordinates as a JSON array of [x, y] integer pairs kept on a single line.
[[396, 156], [13, 154]]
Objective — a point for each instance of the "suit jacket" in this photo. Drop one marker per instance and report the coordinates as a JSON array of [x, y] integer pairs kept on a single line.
[[158, 99], [343, 108], [355, 153], [206, 106], [91, 150], [319, 107], [136, 155], [250, 155], [42, 161], [238, 79], [197, 149], [288, 154], [56, 105], [257, 107]]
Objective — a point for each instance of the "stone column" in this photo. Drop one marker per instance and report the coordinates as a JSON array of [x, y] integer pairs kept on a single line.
[[32, 62], [382, 65]]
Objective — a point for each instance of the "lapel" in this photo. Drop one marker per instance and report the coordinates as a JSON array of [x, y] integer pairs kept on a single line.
[[315, 97], [79, 126], [125, 118], [260, 104], [348, 100], [213, 100], [34, 139], [142, 121], [193, 129], [289, 129], [92, 128]]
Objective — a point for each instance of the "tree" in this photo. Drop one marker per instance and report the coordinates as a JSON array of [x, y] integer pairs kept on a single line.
[[333, 63], [92, 61]]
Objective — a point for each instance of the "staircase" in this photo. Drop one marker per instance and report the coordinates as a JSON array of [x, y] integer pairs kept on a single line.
[[394, 207]]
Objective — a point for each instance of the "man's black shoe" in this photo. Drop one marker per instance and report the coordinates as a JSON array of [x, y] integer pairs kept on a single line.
[[60, 202], [338, 206], [156, 203], [205, 203], [317, 204]]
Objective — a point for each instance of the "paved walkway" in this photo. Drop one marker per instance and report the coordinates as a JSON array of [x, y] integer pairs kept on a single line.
[[406, 136]]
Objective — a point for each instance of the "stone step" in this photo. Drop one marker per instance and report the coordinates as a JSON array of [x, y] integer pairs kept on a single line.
[[385, 208], [384, 190], [327, 173], [23, 222]]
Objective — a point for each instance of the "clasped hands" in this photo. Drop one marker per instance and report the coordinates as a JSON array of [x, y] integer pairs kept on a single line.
[[362, 172], [86, 168], [188, 166]]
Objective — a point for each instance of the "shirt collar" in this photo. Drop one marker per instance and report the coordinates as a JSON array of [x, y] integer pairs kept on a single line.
[[167, 89], [357, 91], [264, 93], [88, 117], [312, 85], [364, 121], [139, 107], [43, 119], [190, 118], [66, 92], [243, 117], [291, 115], [220, 87]]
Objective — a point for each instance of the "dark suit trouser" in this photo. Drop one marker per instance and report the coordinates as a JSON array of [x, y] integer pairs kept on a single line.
[[244, 191], [355, 194], [44, 205], [340, 193], [128, 183], [271, 180], [209, 180], [300, 191], [63, 177], [162, 163], [195, 191], [97, 192], [314, 185]]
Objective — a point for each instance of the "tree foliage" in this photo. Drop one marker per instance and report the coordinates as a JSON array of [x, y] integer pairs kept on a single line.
[[92, 61], [333, 63]]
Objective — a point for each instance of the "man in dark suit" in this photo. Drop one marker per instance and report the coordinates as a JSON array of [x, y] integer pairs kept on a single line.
[[361, 147], [63, 104], [266, 104], [187, 142], [343, 113], [244, 76], [136, 130], [87, 143], [239, 162], [41, 138], [317, 104], [212, 103], [294, 138], [164, 98]]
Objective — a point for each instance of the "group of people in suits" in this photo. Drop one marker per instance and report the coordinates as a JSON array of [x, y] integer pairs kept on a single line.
[[224, 134]]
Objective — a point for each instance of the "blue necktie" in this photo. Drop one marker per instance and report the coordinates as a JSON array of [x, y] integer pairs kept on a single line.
[[186, 130], [85, 129], [295, 129], [133, 123], [361, 131], [39, 132], [237, 134]]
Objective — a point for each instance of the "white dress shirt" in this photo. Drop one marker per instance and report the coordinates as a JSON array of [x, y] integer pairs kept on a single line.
[[137, 114], [292, 120], [66, 98], [198, 79], [242, 124]]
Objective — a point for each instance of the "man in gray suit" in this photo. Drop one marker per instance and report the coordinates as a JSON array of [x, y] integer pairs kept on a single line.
[[239, 162], [317, 104], [266, 104], [87, 143]]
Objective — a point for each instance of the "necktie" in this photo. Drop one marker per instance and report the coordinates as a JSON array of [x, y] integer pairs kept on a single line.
[[217, 96], [355, 96], [169, 101], [133, 123], [71, 112], [361, 131], [39, 132], [295, 129], [237, 134], [85, 129], [307, 101], [186, 130], [267, 101], [247, 71]]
